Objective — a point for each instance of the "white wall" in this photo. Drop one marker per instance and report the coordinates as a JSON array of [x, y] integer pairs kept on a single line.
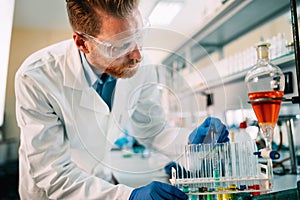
[[6, 21]]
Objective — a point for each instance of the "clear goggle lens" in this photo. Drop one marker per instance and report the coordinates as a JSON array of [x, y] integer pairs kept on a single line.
[[120, 44]]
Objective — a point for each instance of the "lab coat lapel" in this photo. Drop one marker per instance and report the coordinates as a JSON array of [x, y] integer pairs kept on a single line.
[[74, 77], [91, 100], [73, 73]]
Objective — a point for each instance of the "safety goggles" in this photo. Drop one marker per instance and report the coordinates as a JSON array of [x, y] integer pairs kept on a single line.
[[120, 44]]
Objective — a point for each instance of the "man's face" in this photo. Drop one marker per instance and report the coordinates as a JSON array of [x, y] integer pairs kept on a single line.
[[117, 49]]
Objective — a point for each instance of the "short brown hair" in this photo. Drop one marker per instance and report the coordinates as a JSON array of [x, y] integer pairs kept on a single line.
[[83, 15]]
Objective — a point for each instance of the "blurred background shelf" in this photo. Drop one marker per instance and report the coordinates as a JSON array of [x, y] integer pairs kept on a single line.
[[233, 20]]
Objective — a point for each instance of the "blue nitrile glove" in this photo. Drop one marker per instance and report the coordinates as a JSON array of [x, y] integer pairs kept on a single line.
[[202, 133], [157, 190], [181, 171]]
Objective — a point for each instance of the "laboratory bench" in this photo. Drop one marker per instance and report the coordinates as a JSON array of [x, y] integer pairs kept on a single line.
[[285, 187], [135, 170]]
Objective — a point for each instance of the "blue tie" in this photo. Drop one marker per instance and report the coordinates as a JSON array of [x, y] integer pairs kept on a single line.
[[106, 89]]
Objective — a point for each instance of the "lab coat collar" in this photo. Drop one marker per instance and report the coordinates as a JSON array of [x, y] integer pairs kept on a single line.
[[74, 77], [90, 75], [73, 72]]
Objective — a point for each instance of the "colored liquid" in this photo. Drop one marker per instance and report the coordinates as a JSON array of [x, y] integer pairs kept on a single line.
[[266, 111]]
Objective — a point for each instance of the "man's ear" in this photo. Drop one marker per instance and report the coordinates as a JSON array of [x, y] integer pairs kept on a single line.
[[80, 42]]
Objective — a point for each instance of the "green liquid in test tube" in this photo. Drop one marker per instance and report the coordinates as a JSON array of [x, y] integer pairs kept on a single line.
[[216, 171], [215, 156]]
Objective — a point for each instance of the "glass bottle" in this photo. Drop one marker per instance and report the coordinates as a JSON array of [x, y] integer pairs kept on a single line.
[[265, 83]]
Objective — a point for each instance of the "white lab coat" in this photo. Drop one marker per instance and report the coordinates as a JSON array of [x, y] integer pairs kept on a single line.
[[67, 129]]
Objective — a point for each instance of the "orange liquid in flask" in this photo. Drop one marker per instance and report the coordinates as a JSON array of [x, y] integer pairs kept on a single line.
[[266, 111]]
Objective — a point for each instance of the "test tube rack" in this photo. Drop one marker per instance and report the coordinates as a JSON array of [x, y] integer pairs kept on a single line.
[[216, 169]]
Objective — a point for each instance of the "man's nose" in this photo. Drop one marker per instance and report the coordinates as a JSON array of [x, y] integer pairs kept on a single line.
[[136, 54]]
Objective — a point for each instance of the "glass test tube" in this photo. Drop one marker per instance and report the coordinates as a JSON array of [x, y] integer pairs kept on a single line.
[[205, 164], [242, 148], [227, 163]]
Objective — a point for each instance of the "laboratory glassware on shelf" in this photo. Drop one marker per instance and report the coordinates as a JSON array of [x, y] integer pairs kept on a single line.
[[265, 83]]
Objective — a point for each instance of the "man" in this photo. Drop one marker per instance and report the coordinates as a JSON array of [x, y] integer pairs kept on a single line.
[[68, 122]]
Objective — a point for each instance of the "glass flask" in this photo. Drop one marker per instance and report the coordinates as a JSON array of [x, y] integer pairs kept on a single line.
[[265, 83]]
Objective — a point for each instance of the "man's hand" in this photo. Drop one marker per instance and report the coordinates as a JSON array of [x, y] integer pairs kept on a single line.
[[203, 133], [157, 190]]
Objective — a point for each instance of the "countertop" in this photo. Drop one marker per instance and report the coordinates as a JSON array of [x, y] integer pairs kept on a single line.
[[136, 170]]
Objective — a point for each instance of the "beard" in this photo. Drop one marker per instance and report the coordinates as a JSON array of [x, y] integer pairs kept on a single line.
[[123, 71], [117, 68]]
